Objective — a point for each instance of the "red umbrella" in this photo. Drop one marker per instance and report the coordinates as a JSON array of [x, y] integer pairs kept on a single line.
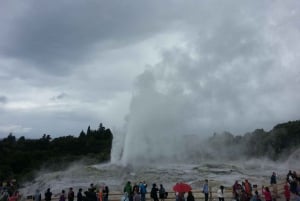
[[182, 187]]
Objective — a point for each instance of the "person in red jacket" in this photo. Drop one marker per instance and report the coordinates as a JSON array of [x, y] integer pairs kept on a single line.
[[287, 193], [14, 196], [266, 192], [248, 189]]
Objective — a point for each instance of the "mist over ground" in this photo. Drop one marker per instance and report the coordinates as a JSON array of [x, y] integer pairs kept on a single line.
[[115, 175]]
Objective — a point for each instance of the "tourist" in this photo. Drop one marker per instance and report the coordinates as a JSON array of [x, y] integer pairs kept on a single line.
[[79, 195], [293, 186], [136, 195], [14, 196], [220, 193], [289, 176], [181, 196], [162, 192], [190, 196], [244, 196], [287, 193], [273, 182], [100, 194], [267, 194], [71, 194], [205, 189], [48, 195], [37, 195], [255, 197], [135, 188], [143, 190], [248, 189], [273, 179], [154, 192], [62, 196], [128, 190], [236, 190], [105, 193]]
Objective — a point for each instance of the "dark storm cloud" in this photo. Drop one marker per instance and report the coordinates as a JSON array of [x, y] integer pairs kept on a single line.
[[52, 36]]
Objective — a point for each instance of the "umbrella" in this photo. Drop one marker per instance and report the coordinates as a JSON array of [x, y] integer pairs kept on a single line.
[[182, 187]]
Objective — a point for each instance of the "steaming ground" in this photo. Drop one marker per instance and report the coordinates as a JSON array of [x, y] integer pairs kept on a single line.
[[115, 175]]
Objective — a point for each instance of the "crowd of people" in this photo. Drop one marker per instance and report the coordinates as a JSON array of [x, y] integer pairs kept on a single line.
[[241, 191], [245, 191], [137, 192], [92, 194]]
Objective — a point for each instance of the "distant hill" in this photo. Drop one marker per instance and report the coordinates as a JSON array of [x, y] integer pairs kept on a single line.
[[23, 156], [275, 144]]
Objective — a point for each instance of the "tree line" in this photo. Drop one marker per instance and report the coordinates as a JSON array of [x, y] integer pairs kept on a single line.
[[20, 157], [275, 144]]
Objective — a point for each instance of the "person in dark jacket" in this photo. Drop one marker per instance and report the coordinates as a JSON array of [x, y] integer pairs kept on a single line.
[[190, 196], [162, 192], [48, 195], [71, 194], [79, 195], [153, 193], [273, 179], [105, 193]]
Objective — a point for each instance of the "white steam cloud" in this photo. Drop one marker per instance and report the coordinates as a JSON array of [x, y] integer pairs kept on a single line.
[[230, 74]]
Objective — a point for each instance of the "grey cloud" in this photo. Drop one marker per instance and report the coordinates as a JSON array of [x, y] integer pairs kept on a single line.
[[3, 99], [53, 37], [59, 96]]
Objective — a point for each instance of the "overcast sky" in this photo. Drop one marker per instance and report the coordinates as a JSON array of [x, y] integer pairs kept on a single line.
[[195, 66]]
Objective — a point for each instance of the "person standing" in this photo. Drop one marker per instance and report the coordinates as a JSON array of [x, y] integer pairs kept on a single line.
[[48, 195], [37, 196], [100, 193], [287, 192], [71, 194], [105, 193], [273, 182], [162, 192], [190, 196], [79, 195], [128, 190], [248, 189], [220, 193], [236, 190], [14, 196], [154, 192], [143, 190], [136, 195], [62, 196], [205, 189], [267, 194]]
